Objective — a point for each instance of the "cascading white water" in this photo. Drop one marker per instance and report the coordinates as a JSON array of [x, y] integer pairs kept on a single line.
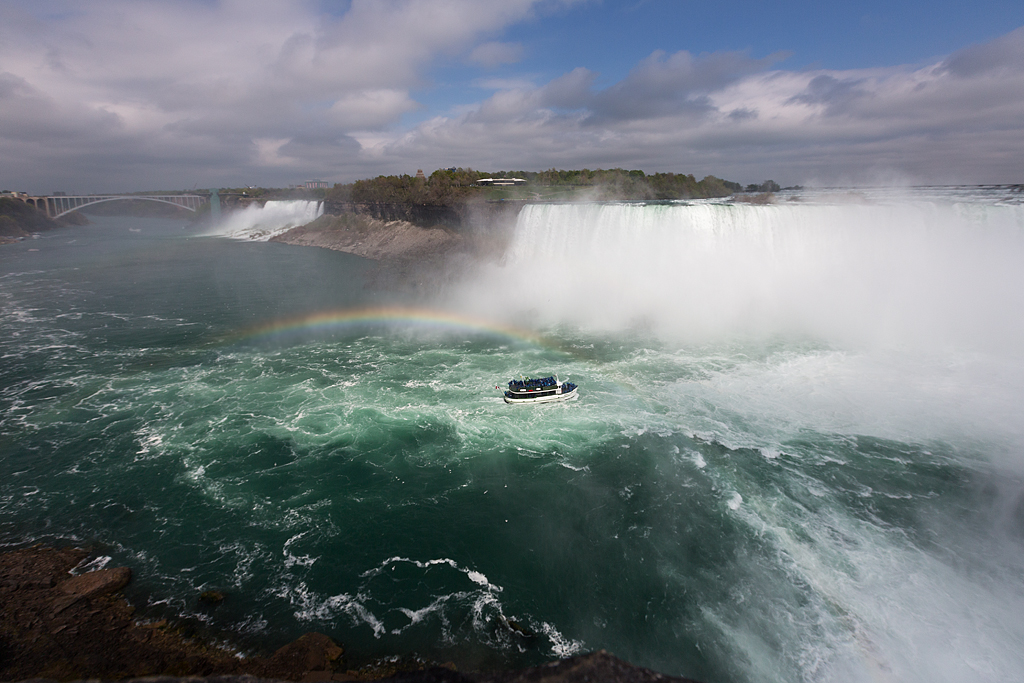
[[918, 306], [261, 223], [916, 272]]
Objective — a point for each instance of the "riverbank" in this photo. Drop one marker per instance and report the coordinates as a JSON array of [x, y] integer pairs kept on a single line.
[[19, 220], [372, 238], [61, 624], [415, 249]]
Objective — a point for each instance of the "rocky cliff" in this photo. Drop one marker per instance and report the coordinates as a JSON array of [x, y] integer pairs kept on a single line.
[[372, 238], [409, 232], [457, 216]]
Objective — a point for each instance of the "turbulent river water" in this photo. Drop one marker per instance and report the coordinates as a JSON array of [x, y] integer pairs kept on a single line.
[[798, 452]]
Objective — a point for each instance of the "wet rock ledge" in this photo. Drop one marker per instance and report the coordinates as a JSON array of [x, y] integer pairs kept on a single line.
[[58, 627]]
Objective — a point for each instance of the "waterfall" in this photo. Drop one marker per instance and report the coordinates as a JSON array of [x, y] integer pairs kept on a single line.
[[261, 223], [894, 273]]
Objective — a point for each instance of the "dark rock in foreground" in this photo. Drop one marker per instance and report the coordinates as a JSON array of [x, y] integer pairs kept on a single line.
[[54, 625], [59, 627], [595, 667]]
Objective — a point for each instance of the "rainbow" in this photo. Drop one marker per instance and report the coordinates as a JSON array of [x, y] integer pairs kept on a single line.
[[334, 321]]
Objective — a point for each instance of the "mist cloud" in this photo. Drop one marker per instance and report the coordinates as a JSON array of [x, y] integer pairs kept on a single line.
[[145, 95]]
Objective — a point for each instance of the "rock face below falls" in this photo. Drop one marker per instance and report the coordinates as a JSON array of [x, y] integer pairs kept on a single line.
[[61, 627], [372, 238]]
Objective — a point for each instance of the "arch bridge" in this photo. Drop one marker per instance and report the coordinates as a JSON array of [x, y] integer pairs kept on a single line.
[[59, 205]]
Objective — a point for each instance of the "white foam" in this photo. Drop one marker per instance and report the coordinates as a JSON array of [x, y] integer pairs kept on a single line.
[[561, 646], [478, 578], [291, 560], [922, 273], [149, 439], [92, 565], [261, 223], [324, 610]]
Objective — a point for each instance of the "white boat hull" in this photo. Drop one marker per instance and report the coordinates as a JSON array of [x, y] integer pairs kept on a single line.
[[567, 396]]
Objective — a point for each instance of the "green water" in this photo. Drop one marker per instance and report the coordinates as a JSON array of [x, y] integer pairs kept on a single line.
[[751, 508]]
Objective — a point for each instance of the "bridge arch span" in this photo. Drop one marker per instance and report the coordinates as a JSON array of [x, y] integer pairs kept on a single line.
[[58, 206]]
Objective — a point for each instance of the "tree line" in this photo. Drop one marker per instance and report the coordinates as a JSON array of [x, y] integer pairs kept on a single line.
[[453, 185]]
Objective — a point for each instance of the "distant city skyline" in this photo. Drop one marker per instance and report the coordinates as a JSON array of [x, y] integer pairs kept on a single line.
[[130, 96]]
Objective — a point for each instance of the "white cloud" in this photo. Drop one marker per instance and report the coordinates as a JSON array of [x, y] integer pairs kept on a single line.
[[493, 54], [503, 83], [134, 82], [268, 152], [370, 109], [143, 94], [729, 115], [1002, 54]]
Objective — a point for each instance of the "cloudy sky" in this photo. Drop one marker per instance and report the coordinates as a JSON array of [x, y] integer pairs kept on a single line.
[[100, 96]]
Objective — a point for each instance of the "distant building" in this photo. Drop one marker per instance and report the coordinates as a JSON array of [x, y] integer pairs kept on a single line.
[[419, 174], [315, 184], [501, 181]]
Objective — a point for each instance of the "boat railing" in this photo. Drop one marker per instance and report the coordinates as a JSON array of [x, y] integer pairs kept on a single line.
[[533, 383]]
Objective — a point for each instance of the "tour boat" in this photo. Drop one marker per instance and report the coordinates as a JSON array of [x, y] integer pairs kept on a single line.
[[540, 390]]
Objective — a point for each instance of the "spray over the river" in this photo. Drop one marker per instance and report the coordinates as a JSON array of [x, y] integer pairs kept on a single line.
[[797, 453], [261, 223]]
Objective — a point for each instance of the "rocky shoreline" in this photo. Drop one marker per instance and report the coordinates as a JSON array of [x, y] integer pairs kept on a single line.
[[373, 238], [61, 626], [406, 234]]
